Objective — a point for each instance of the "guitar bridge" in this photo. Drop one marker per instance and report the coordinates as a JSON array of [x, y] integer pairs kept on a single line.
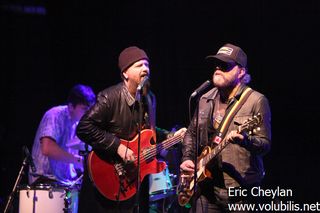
[[119, 170]]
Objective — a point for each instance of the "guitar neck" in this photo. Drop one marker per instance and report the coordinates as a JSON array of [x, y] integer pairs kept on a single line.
[[215, 151], [167, 143]]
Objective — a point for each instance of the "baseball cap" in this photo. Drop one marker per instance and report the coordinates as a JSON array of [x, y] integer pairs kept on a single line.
[[229, 53]]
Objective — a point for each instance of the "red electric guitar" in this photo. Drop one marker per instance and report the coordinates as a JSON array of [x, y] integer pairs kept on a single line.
[[117, 181]]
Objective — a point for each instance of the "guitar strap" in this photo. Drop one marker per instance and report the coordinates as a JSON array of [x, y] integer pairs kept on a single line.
[[230, 113]]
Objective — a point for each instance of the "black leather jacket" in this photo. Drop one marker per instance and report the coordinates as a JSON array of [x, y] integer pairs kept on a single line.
[[114, 116], [241, 164]]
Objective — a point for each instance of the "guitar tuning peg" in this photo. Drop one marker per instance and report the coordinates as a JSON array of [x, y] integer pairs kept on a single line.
[[250, 132], [258, 129]]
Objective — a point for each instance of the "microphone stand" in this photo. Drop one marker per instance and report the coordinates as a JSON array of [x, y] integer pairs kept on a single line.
[[139, 98], [18, 180], [194, 205]]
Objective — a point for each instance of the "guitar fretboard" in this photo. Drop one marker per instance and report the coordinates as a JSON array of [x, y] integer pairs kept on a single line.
[[215, 152], [152, 152]]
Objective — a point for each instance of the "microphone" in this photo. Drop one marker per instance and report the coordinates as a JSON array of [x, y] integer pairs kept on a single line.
[[142, 88], [200, 89], [145, 81], [29, 158]]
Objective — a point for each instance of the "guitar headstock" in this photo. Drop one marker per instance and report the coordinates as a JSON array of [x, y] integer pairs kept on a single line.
[[251, 125]]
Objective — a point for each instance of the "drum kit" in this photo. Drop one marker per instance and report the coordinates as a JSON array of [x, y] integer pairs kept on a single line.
[[48, 197], [58, 198]]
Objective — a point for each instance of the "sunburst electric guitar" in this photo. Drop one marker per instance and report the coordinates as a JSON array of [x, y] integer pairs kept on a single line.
[[185, 188], [117, 180]]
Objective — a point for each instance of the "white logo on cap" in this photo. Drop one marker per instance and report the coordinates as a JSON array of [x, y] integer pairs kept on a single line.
[[225, 50]]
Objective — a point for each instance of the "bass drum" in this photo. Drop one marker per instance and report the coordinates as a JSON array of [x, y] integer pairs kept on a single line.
[[46, 198]]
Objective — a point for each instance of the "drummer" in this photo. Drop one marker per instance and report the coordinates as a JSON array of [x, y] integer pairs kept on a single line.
[[56, 148]]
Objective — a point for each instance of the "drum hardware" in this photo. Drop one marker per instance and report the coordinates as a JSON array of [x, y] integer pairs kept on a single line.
[[77, 181], [50, 193], [49, 198], [67, 201], [28, 191], [68, 192]]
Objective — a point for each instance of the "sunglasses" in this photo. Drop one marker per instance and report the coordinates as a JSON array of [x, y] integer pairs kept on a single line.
[[225, 67]]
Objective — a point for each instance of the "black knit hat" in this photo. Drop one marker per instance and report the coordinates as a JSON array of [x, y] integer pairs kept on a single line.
[[230, 53], [129, 56]]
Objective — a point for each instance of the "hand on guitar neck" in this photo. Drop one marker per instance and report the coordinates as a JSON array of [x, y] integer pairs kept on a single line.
[[235, 137], [180, 132]]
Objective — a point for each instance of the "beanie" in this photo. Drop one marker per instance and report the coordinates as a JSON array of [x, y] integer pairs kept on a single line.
[[129, 56]]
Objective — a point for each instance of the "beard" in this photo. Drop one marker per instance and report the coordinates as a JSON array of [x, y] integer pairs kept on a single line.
[[221, 81]]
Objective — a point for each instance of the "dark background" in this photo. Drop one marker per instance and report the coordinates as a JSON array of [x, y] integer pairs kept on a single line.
[[48, 46]]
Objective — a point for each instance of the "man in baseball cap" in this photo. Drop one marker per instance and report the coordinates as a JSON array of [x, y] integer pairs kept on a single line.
[[221, 111]]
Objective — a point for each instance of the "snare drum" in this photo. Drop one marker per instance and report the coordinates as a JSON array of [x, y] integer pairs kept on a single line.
[[47, 198], [160, 185]]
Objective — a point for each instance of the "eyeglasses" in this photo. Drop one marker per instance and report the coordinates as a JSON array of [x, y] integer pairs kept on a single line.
[[225, 67]]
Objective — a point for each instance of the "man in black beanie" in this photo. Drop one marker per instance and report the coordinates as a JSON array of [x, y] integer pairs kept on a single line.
[[111, 127]]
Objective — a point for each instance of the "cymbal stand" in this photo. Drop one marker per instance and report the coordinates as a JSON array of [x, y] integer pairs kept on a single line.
[[18, 180]]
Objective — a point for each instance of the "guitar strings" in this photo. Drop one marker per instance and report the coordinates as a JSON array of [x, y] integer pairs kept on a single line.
[[153, 151], [158, 147], [163, 145]]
